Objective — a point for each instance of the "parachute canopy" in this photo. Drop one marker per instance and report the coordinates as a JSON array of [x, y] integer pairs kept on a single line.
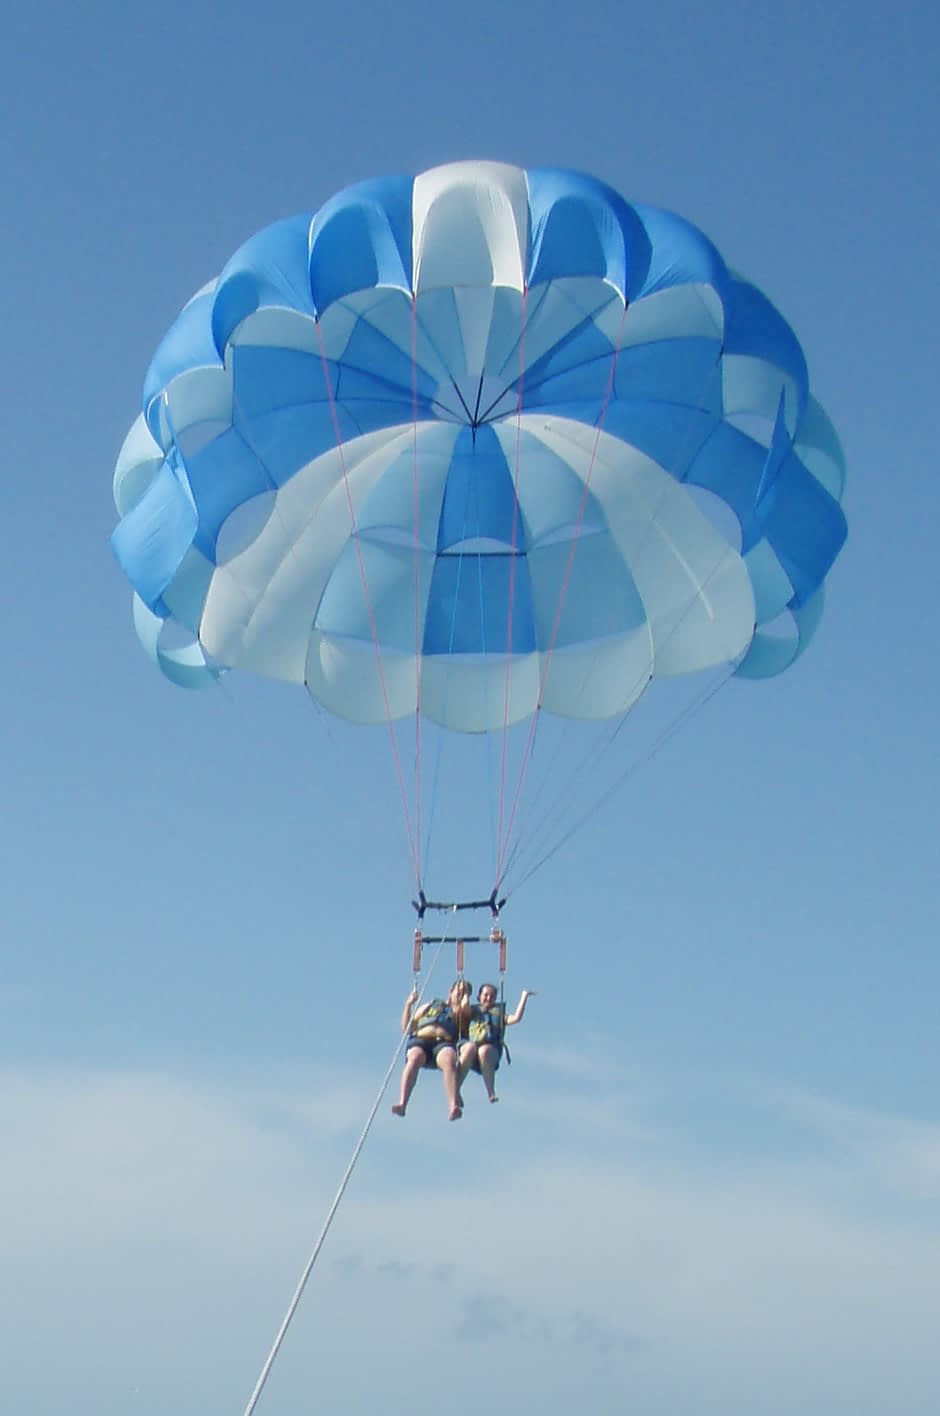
[[474, 443]]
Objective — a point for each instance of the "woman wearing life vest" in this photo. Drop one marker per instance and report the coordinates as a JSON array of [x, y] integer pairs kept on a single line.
[[487, 1024], [433, 1032]]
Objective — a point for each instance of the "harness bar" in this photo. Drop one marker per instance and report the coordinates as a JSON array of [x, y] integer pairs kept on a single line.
[[456, 938], [422, 903]]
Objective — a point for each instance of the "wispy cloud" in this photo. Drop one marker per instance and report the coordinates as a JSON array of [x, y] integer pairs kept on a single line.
[[602, 1063], [176, 1214], [358, 1266], [486, 1316], [900, 1153]]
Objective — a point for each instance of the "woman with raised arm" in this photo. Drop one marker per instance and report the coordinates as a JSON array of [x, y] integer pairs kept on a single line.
[[487, 1024]]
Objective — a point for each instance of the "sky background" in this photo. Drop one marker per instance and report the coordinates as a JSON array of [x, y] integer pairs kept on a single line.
[[713, 1181]]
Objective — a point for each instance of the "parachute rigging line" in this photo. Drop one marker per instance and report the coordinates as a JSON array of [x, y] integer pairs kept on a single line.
[[562, 596], [450, 650], [593, 755], [686, 715], [272, 486], [370, 608], [321, 1238], [474, 419], [510, 605], [416, 528]]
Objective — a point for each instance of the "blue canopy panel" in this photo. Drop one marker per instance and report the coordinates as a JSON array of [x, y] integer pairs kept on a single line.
[[672, 435], [581, 227], [187, 344], [479, 497], [730, 464], [222, 476], [480, 604], [805, 526], [362, 239], [372, 362], [152, 540], [680, 254], [311, 401], [756, 331], [270, 269], [577, 367]]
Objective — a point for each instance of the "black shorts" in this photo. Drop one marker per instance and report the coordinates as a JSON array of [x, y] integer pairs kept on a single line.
[[431, 1047]]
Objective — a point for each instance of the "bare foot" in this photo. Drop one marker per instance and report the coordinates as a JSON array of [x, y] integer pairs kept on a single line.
[[494, 1097], [455, 1113], [398, 1110]]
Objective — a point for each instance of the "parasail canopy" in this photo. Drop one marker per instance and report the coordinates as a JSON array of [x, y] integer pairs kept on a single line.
[[474, 443]]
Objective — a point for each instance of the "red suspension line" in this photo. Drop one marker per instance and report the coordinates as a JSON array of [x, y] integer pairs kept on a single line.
[[562, 594], [512, 582], [370, 610], [416, 515]]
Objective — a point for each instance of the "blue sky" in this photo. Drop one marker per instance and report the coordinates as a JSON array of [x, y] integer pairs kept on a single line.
[[714, 1177]]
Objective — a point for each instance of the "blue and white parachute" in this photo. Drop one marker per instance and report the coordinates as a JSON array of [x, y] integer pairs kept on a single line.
[[474, 443]]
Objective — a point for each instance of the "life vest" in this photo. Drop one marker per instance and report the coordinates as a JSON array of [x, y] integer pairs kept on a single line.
[[439, 1015], [487, 1026]]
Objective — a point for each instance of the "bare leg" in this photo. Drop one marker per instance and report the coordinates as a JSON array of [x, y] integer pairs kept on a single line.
[[468, 1055], [489, 1056], [447, 1062], [413, 1064]]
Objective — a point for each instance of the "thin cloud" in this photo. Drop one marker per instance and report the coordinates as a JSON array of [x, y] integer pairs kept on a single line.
[[485, 1316], [176, 1215], [901, 1153], [357, 1268]]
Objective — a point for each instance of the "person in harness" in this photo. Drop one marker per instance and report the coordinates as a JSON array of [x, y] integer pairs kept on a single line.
[[433, 1032], [485, 1030]]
